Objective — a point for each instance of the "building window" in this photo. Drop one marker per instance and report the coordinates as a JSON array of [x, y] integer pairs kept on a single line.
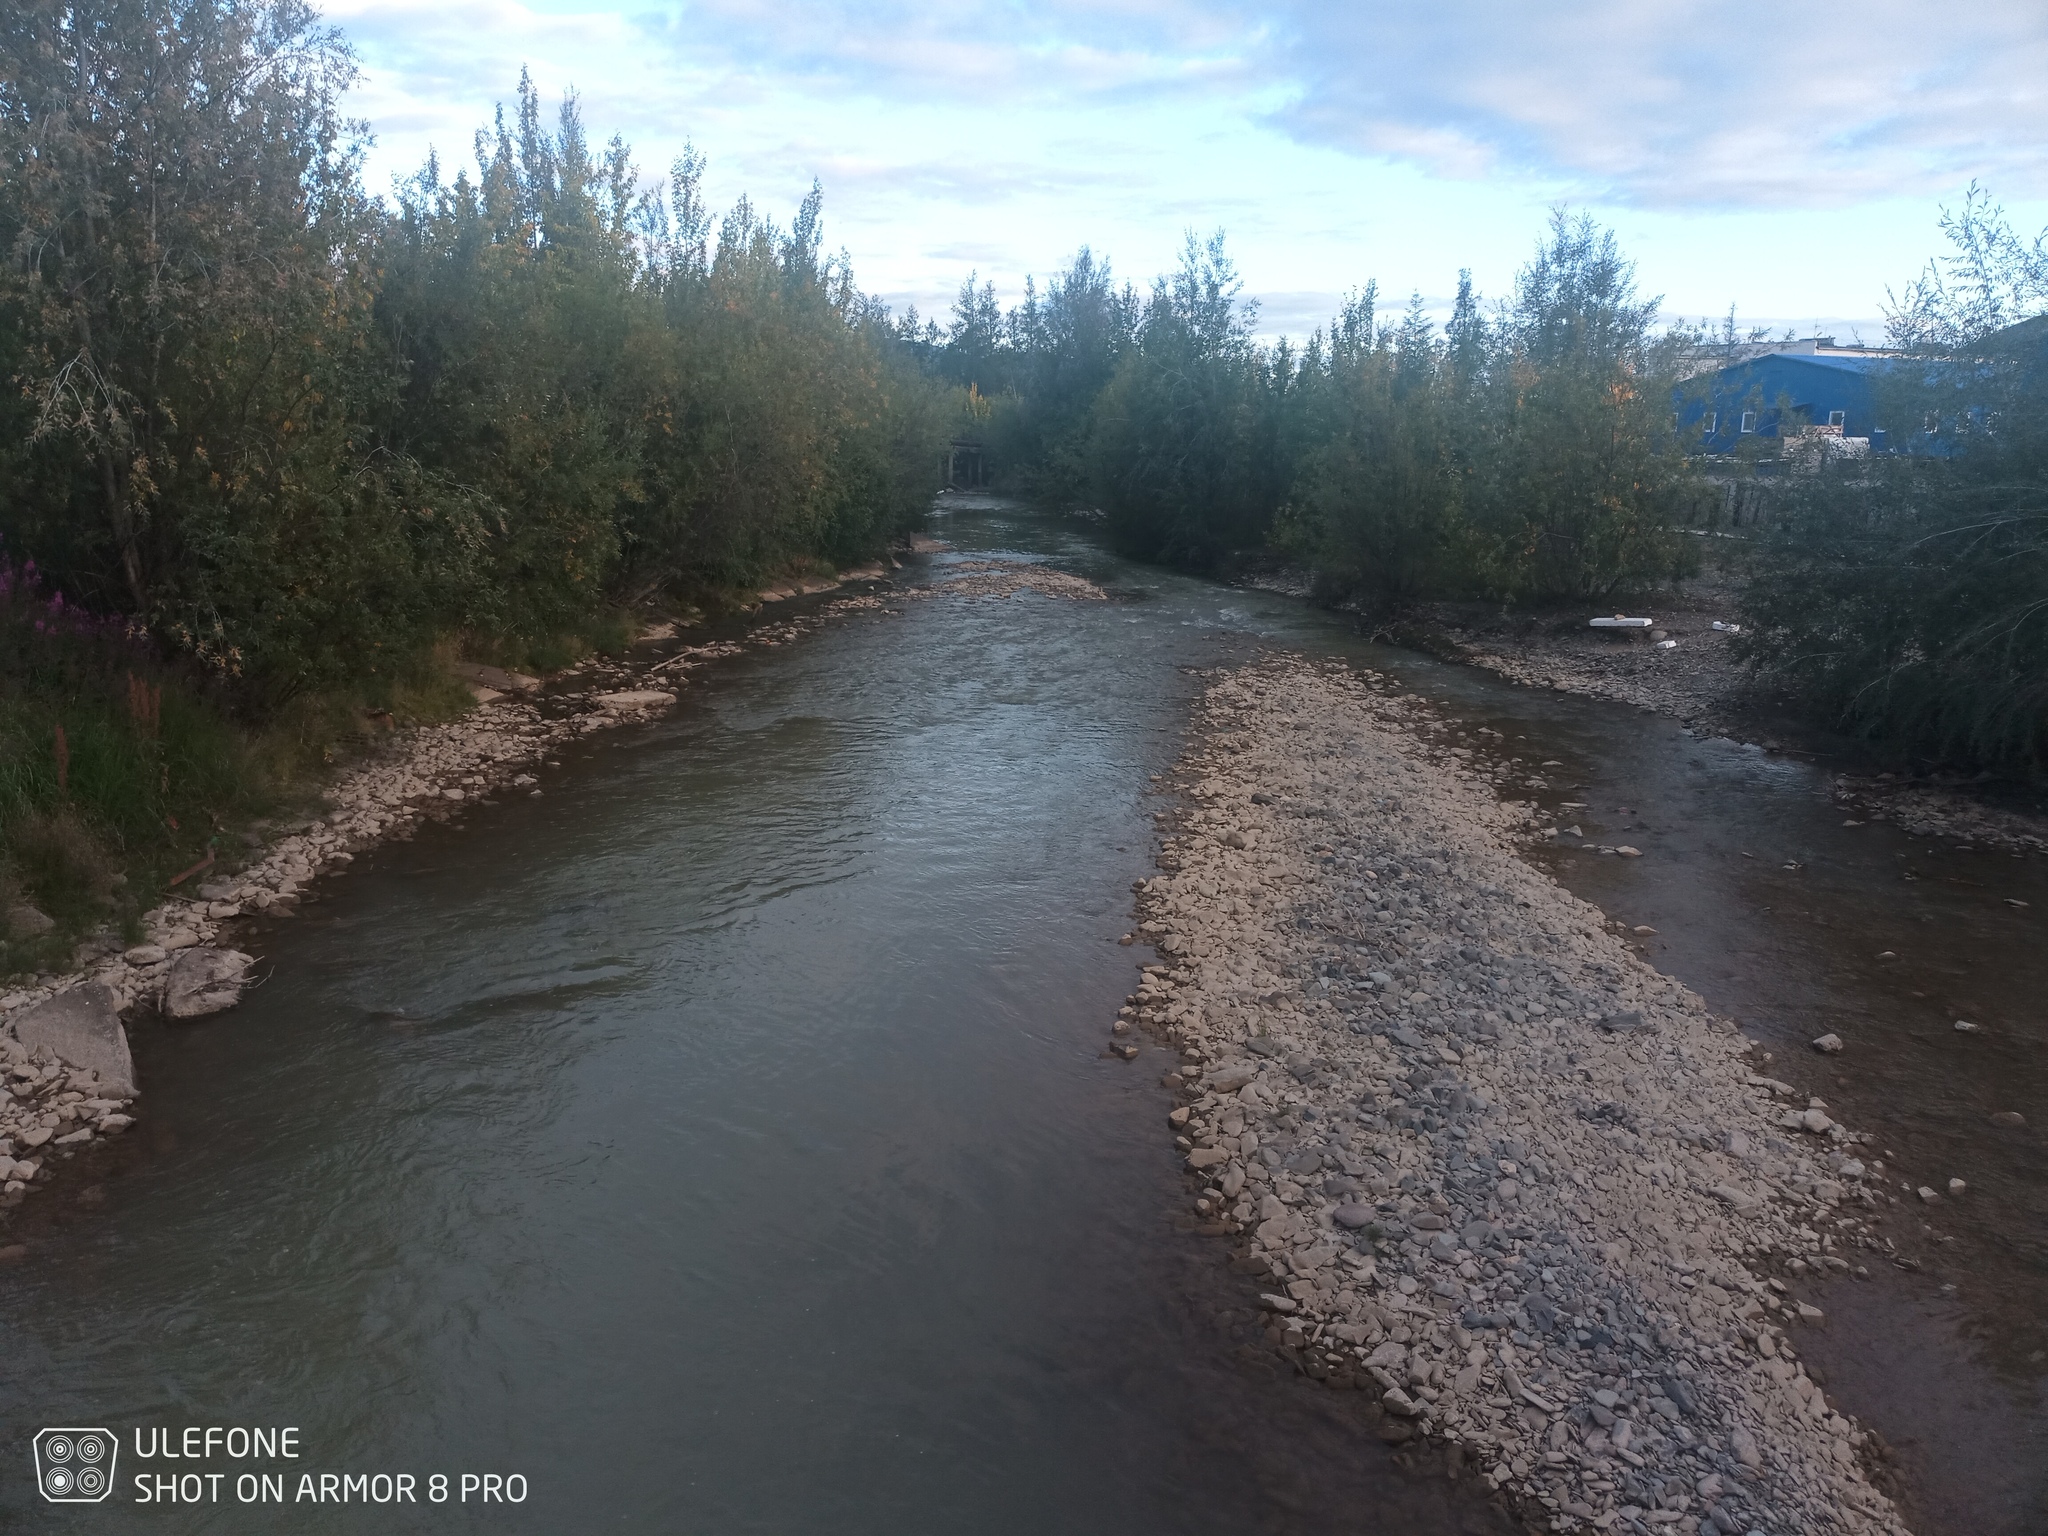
[[1708, 422], [1749, 421], [1836, 418]]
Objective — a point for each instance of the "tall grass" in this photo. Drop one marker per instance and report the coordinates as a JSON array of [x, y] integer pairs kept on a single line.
[[98, 758], [120, 767]]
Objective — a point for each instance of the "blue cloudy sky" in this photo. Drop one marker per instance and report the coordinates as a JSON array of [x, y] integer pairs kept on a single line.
[[1790, 162]]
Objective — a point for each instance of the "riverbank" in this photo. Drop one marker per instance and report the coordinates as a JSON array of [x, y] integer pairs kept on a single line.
[[1696, 678], [1700, 682], [199, 952], [1489, 1165]]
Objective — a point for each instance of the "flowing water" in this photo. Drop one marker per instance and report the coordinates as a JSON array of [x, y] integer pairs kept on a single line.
[[722, 1141]]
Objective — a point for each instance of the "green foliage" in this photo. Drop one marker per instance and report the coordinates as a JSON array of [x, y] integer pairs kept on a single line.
[[1379, 504], [783, 418], [1185, 444], [1526, 456], [1907, 596], [108, 766], [1578, 475], [1065, 345], [1910, 601], [298, 440], [300, 435], [189, 335]]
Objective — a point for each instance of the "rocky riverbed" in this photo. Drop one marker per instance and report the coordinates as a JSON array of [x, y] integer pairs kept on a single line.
[[1682, 666], [63, 1047], [1484, 1162]]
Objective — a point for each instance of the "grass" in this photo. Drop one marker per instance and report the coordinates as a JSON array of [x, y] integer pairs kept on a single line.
[[119, 770], [607, 633]]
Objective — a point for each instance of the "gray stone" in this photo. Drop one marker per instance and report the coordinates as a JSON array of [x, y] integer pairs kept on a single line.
[[1743, 1444], [1352, 1217], [1231, 1078], [204, 981], [1829, 1045], [82, 1027], [145, 954], [27, 921]]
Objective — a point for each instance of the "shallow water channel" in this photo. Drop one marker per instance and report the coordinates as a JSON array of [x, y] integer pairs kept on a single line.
[[721, 1142]]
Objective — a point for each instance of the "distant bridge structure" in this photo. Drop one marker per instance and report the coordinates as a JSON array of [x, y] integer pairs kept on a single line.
[[967, 466]]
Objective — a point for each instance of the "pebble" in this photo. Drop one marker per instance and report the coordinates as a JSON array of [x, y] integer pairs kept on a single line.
[[1829, 1045]]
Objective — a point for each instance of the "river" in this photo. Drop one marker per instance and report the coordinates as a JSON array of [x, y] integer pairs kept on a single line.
[[722, 1141]]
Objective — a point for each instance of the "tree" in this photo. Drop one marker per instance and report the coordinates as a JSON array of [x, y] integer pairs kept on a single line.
[[1577, 472], [1906, 595], [1186, 434], [180, 211], [1065, 346]]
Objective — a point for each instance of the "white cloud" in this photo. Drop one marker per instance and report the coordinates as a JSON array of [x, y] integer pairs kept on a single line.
[[1684, 103], [1787, 165], [1656, 103]]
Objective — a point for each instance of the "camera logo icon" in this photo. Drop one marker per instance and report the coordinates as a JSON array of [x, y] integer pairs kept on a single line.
[[75, 1466]]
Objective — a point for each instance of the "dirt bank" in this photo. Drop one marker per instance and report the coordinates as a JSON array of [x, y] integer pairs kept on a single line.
[[1493, 1168]]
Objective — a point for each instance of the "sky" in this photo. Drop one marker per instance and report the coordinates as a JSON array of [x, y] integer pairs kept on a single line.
[[1791, 164]]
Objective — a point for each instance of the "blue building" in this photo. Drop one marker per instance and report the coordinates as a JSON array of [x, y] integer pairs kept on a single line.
[[1782, 394]]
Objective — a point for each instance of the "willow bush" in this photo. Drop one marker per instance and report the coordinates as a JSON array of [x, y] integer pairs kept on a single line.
[[1521, 454], [294, 440], [1906, 595]]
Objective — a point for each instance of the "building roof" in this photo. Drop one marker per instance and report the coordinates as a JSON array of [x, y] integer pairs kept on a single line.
[[1713, 357]]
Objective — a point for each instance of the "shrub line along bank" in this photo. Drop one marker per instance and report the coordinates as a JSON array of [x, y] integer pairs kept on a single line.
[[1496, 1170]]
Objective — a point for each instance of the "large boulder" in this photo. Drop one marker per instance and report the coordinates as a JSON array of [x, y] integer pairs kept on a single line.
[[83, 1028], [204, 980], [28, 922]]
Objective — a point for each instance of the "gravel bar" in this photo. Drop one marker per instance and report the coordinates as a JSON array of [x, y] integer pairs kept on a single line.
[[1491, 1168]]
